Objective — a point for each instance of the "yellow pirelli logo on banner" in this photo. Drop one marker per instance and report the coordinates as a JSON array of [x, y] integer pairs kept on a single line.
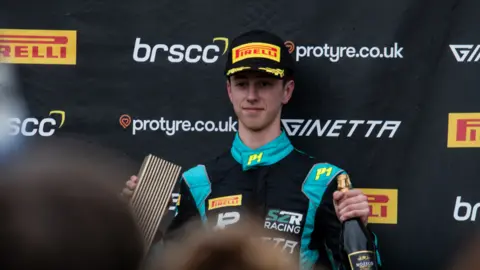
[[256, 50], [49, 47], [463, 130], [220, 202], [383, 205]]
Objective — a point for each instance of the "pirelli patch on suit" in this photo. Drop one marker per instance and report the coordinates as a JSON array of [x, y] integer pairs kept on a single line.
[[234, 200]]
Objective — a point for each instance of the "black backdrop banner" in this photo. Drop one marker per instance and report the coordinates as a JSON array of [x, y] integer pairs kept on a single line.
[[387, 90]]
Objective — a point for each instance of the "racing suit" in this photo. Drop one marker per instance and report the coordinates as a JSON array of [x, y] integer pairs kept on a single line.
[[289, 190]]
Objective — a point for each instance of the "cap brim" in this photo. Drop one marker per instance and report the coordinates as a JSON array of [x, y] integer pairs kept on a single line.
[[274, 72]]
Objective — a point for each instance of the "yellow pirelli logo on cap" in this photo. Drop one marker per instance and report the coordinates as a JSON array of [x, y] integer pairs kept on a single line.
[[234, 200], [256, 50]]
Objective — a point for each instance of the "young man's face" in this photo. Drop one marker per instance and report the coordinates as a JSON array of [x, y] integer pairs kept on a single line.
[[257, 98]]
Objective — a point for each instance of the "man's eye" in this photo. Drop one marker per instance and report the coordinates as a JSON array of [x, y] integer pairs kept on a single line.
[[265, 83], [241, 84]]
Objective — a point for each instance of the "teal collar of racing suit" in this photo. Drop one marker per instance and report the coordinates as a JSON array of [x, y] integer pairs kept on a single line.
[[265, 155]]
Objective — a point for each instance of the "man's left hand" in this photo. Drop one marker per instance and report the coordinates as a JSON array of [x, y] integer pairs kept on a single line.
[[351, 204]]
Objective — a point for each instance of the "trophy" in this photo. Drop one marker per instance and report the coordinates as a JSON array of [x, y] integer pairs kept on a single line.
[[357, 247], [156, 181]]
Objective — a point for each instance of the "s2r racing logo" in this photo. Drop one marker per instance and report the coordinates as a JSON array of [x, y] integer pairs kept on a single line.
[[283, 221]]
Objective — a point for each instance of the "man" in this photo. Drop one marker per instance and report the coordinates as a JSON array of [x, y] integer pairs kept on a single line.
[[263, 173]]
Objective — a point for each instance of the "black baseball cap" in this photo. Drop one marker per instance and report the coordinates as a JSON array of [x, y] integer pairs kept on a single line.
[[259, 50]]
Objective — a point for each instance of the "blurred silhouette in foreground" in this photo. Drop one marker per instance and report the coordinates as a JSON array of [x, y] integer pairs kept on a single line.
[[236, 248], [12, 106], [61, 210], [468, 257]]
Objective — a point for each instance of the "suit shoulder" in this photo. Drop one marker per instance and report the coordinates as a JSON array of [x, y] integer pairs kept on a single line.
[[212, 167], [316, 170], [313, 161], [209, 162], [303, 157]]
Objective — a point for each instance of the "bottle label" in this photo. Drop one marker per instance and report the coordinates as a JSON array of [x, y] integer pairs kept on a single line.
[[362, 260]]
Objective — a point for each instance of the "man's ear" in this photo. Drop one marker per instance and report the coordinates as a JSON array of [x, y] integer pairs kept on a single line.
[[288, 91]]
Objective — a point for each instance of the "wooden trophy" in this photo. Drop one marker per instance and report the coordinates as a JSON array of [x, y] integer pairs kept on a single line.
[[150, 200]]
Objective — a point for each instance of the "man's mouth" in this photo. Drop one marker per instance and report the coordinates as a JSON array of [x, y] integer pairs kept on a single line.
[[253, 109]]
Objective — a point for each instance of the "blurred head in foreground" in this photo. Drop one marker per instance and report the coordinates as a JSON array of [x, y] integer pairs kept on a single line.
[[59, 211], [238, 248], [468, 257]]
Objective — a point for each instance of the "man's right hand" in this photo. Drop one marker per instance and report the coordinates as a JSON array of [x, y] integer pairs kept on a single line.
[[130, 186]]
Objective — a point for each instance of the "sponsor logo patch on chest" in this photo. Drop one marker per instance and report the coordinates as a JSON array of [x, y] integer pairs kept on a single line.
[[283, 221], [226, 201]]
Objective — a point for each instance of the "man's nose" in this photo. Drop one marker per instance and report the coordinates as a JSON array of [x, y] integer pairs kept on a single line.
[[252, 93]]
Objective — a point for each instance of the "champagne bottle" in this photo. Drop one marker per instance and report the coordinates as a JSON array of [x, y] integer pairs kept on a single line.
[[357, 247]]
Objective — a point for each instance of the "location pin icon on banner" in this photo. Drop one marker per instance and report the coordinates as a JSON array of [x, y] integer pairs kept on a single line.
[[125, 120]]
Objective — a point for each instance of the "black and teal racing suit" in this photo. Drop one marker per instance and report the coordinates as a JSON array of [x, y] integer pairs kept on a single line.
[[286, 188]]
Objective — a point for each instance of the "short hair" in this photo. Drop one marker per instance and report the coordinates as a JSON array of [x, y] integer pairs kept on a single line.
[[60, 212]]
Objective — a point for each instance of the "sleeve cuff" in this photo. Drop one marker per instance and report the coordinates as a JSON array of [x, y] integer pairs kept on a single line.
[[375, 242]]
